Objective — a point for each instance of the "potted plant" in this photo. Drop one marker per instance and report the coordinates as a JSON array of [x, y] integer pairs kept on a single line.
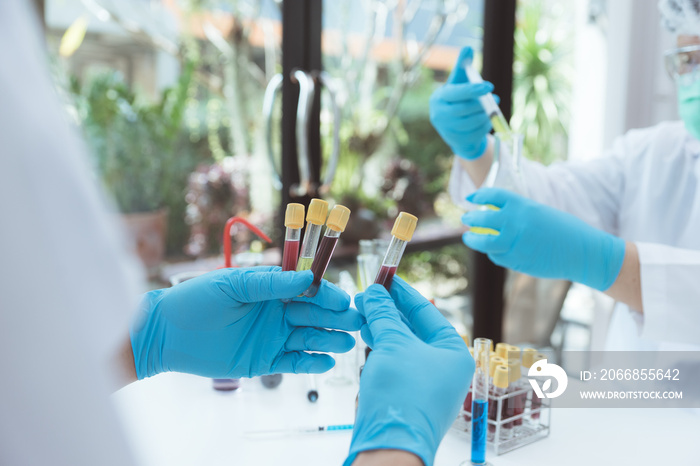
[[138, 153]]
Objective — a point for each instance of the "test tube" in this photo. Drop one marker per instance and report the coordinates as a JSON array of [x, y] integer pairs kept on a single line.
[[367, 263], [502, 350], [335, 225], [513, 352], [226, 385], [499, 122], [315, 218], [480, 400], [516, 404], [525, 364], [528, 358], [501, 381], [467, 406], [536, 401], [293, 221], [494, 361], [271, 380], [401, 234], [312, 388]]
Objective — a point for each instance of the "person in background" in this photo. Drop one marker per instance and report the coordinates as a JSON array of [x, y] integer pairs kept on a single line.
[[627, 224], [69, 287]]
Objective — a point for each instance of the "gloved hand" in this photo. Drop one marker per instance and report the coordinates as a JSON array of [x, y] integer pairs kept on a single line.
[[542, 241], [457, 114], [414, 381], [232, 323]]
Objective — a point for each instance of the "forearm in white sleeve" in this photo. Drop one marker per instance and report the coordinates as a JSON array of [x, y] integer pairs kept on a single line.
[[670, 293], [67, 280]]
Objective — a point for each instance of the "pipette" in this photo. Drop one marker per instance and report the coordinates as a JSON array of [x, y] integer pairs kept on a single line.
[[294, 221], [401, 234], [499, 122], [301, 430], [315, 218], [480, 400], [335, 225]]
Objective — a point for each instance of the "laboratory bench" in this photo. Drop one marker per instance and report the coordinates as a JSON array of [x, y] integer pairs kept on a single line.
[[178, 419]]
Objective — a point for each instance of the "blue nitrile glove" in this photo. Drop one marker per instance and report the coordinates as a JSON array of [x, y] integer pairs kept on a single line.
[[413, 382], [542, 241], [457, 114], [232, 323]]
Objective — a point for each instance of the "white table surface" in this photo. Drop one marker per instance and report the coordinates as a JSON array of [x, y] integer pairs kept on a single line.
[[177, 419]]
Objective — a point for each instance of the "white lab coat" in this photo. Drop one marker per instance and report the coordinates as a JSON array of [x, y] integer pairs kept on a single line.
[[67, 285], [645, 190]]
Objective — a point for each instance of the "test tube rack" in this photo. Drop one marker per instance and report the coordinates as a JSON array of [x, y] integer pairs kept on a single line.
[[505, 434]]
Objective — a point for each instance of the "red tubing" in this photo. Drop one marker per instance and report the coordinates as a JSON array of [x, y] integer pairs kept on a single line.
[[227, 236]]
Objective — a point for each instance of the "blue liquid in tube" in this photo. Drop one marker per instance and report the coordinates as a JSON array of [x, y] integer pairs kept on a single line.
[[480, 409]]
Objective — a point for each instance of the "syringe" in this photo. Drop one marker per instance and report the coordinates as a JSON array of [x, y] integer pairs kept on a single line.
[[335, 225], [401, 234], [315, 218], [499, 122], [300, 430], [294, 221]]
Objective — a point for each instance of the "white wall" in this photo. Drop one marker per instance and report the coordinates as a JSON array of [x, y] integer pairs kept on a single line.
[[639, 92], [620, 82], [589, 84]]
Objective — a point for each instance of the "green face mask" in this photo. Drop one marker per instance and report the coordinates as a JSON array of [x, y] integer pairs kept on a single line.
[[689, 106]]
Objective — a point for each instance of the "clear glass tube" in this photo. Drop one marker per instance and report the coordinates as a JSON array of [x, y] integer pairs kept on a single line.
[[291, 249], [322, 259], [480, 400], [308, 246], [505, 171], [366, 268], [390, 263]]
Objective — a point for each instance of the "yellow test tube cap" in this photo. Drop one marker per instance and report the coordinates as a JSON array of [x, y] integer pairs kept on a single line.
[[294, 216], [529, 356], [502, 350], [404, 226], [514, 368], [501, 376], [318, 211], [513, 352], [338, 218], [494, 362], [538, 357]]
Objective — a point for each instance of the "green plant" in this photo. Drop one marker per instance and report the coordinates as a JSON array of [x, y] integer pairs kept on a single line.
[[542, 83], [444, 268], [424, 147], [141, 151]]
